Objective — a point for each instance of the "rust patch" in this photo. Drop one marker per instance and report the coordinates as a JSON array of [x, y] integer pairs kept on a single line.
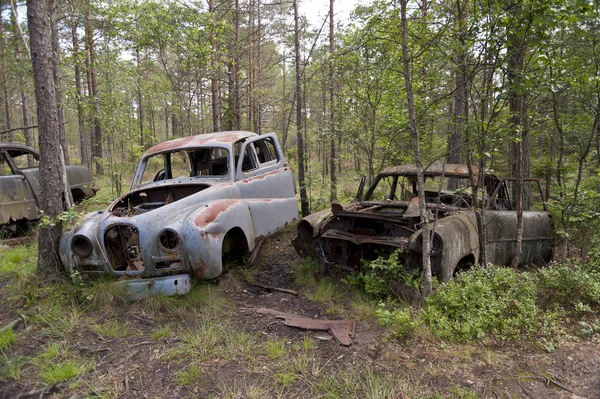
[[212, 211], [260, 177], [198, 140]]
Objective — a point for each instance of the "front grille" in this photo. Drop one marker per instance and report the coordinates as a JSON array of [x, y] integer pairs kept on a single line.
[[122, 244]]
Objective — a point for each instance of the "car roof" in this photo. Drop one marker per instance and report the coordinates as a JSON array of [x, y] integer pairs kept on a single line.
[[434, 169], [201, 140], [16, 146]]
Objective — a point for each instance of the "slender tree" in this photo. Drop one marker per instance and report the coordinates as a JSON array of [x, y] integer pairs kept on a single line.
[[299, 126], [52, 171], [426, 281]]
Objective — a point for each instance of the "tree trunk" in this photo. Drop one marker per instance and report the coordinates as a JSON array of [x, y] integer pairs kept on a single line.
[[426, 281], [84, 147], [51, 170], [214, 80], [57, 80], [520, 141], [5, 92], [299, 127], [96, 137], [140, 104], [333, 159]]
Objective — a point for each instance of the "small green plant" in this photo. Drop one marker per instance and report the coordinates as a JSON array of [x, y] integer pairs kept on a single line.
[[190, 375], [111, 328], [400, 323], [379, 272], [10, 368], [52, 351], [275, 349], [62, 371], [285, 379], [160, 333], [7, 338]]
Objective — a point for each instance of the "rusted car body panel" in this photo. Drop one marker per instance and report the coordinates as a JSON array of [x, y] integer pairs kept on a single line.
[[188, 224], [373, 226], [20, 184]]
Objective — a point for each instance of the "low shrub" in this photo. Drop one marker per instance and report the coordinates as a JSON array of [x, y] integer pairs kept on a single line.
[[493, 301]]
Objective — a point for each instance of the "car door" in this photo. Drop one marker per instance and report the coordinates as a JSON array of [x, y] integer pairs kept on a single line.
[[501, 233], [266, 183], [17, 200]]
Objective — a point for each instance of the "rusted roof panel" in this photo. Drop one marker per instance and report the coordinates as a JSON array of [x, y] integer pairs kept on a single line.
[[208, 139], [435, 169]]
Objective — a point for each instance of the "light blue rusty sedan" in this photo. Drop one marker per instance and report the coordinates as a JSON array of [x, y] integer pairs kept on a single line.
[[195, 203]]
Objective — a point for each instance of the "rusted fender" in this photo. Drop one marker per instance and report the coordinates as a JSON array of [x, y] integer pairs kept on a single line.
[[309, 228], [205, 230], [458, 237]]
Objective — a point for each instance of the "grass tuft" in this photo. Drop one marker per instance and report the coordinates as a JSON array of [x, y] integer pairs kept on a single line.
[[7, 338], [190, 375], [62, 371]]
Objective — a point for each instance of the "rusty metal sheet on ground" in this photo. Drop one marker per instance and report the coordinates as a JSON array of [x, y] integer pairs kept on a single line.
[[341, 330]]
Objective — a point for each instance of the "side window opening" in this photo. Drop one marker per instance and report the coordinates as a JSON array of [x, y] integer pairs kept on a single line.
[[4, 167], [265, 151], [248, 159]]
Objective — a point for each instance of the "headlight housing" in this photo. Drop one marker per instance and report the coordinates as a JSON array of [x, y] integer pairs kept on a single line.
[[168, 239], [81, 246]]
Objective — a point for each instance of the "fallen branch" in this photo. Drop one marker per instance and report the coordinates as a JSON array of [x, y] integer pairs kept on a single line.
[[142, 343], [18, 128], [267, 287], [126, 394], [40, 393], [15, 324]]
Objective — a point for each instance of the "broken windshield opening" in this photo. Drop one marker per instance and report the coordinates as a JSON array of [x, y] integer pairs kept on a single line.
[[200, 162]]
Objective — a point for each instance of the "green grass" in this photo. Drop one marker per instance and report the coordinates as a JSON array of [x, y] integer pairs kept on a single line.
[[10, 367], [216, 338], [111, 329], [275, 349], [62, 371], [189, 375], [7, 338], [161, 333]]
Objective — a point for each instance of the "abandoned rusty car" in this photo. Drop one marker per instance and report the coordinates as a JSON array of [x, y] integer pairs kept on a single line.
[[387, 218], [195, 203], [20, 189]]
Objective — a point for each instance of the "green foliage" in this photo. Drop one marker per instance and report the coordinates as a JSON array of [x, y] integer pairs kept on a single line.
[[62, 371], [189, 375], [491, 301], [570, 287], [275, 349], [7, 338], [378, 273], [511, 305], [401, 323]]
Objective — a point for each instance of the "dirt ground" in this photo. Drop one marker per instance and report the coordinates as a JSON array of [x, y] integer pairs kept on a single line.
[[134, 366]]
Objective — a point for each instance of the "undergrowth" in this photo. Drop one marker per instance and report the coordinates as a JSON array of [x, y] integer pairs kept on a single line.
[[493, 303]]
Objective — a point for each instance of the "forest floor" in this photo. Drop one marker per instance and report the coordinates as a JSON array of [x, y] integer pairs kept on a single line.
[[212, 343]]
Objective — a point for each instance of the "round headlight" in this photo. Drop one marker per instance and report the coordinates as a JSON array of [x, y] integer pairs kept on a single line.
[[82, 246], [168, 240]]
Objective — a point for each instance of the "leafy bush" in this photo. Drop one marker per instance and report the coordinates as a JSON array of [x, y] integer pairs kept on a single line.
[[570, 287], [400, 322], [378, 273], [487, 301]]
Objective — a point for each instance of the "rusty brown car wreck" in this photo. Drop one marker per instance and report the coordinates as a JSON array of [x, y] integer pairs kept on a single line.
[[387, 218], [20, 189]]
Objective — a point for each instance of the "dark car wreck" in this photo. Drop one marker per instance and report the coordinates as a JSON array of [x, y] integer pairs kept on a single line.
[[195, 203], [387, 218], [20, 188]]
